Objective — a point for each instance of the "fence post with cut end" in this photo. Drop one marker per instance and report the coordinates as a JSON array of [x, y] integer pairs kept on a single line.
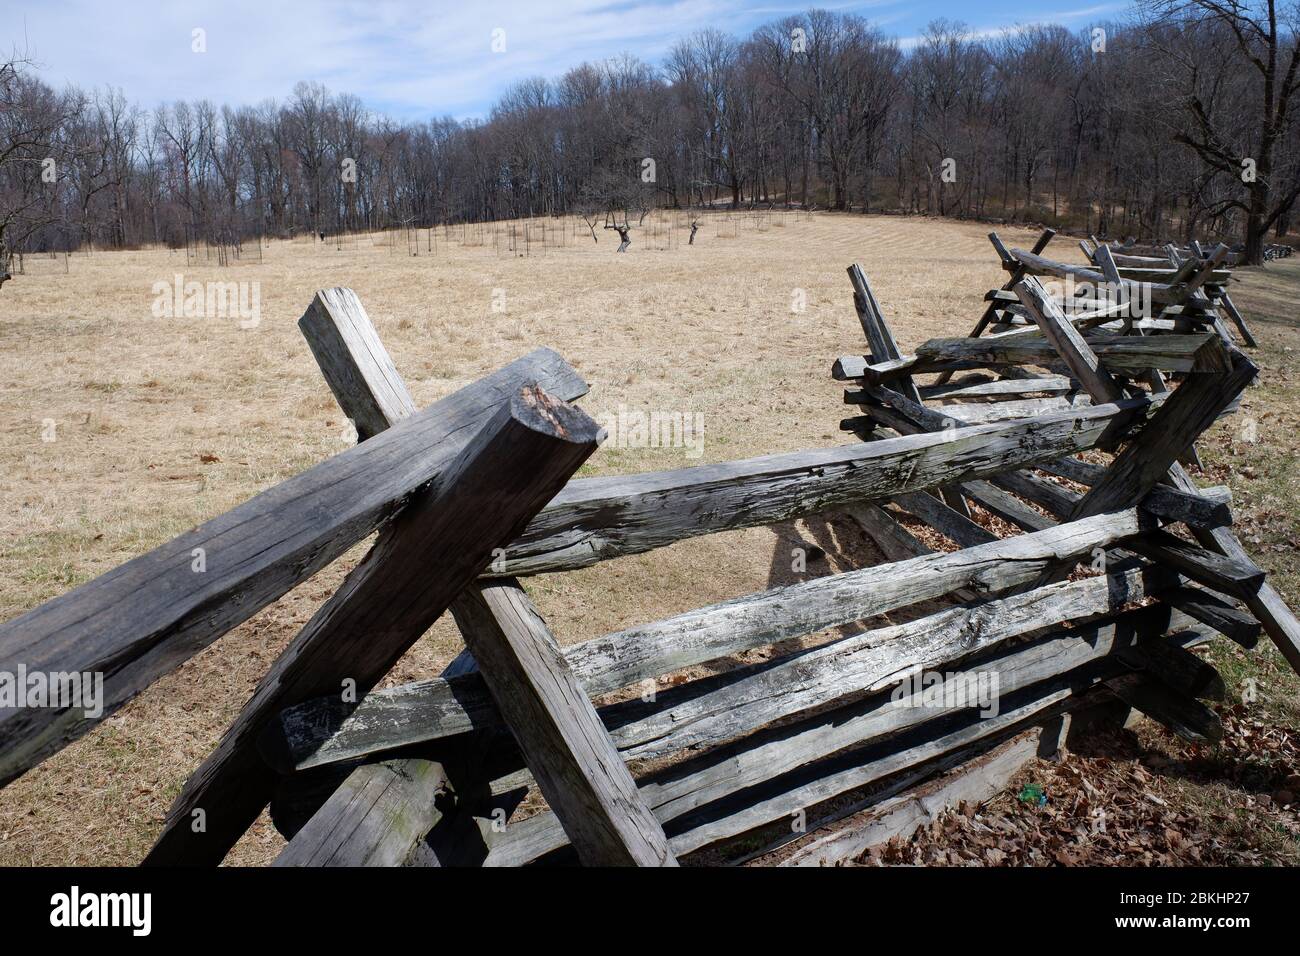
[[577, 767], [503, 477]]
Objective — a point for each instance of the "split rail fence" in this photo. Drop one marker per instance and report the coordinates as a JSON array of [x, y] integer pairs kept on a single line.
[[1068, 422]]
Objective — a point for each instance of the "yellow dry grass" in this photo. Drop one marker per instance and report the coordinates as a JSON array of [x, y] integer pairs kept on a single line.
[[160, 424]]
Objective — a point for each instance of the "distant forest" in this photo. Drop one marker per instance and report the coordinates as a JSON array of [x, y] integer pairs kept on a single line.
[[1178, 123]]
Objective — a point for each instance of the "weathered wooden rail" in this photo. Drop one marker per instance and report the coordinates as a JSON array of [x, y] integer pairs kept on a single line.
[[1170, 262], [639, 761]]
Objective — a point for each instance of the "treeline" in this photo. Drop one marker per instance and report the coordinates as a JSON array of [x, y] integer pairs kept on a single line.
[[1177, 124]]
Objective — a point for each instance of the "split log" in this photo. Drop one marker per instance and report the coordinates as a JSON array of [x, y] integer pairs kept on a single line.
[[1141, 291], [792, 760], [1185, 671], [1228, 306], [879, 338], [503, 477], [379, 812], [321, 731], [977, 414], [563, 741], [369, 390], [356, 366], [1000, 295], [1220, 572], [1206, 508], [895, 542], [867, 766], [1207, 568], [1167, 275], [1001, 388], [1173, 353], [1278, 620], [1126, 260], [1193, 506], [1184, 715], [1082, 360], [881, 342], [1200, 605], [991, 310], [594, 519], [870, 662], [144, 618], [957, 527], [1074, 351], [973, 782], [579, 769], [1223, 574], [1194, 407], [1235, 576]]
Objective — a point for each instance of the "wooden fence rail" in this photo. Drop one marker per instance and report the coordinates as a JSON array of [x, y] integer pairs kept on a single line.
[[637, 764]]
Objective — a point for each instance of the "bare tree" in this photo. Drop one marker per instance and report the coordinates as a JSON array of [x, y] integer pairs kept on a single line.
[[818, 110], [33, 118], [1239, 133], [705, 69], [845, 75]]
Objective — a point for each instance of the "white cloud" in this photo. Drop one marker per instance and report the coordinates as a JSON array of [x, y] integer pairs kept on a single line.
[[1064, 17], [412, 58], [407, 58]]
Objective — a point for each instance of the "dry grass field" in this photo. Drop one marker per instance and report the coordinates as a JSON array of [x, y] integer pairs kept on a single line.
[[161, 423]]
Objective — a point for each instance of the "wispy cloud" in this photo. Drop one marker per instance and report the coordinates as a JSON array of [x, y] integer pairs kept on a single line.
[[1064, 17], [408, 58]]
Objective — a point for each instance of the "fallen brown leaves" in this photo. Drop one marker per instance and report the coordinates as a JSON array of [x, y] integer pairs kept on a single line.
[[1124, 803]]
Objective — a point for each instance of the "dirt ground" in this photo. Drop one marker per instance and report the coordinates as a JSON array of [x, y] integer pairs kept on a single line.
[[158, 424]]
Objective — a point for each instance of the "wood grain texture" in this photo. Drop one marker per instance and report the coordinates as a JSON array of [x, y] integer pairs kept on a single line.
[[389, 600], [1173, 353], [1193, 407], [984, 412], [564, 743], [322, 732], [1001, 388], [356, 824], [991, 310], [791, 767], [348, 829], [973, 782], [1277, 618], [144, 618], [356, 366], [373, 819], [594, 519]]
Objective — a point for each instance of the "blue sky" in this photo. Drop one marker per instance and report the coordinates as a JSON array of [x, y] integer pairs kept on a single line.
[[410, 59]]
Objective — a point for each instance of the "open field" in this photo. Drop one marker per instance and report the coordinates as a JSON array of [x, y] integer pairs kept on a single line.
[[160, 423]]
